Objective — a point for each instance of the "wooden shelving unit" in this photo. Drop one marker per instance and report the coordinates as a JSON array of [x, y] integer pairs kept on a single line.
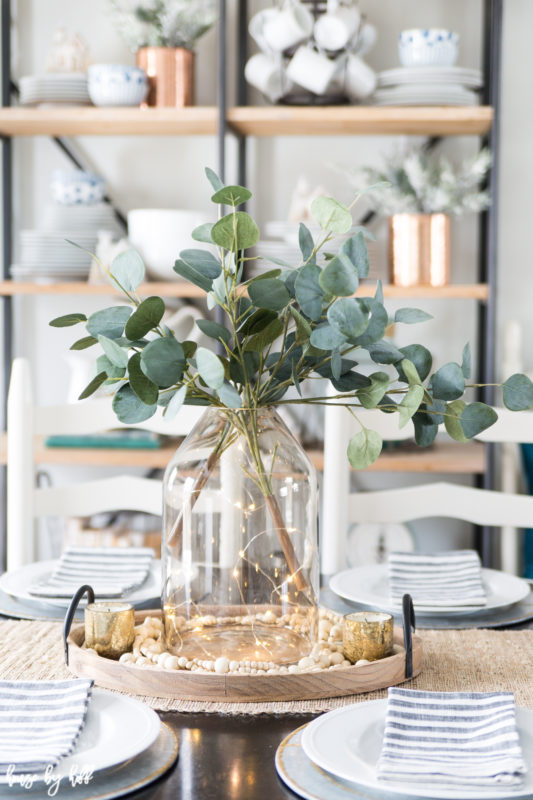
[[458, 291], [249, 121], [444, 457]]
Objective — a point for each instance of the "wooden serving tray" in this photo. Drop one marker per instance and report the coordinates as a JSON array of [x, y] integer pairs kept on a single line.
[[185, 685]]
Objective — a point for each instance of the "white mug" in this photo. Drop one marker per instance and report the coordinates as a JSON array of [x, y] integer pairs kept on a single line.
[[257, 24], [268, 75], [288, 27], [366, 38], [360, 79], [313, 70], [334, 29]]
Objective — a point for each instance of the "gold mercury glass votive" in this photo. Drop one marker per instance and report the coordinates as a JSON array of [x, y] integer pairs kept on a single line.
[[109, 628], [368, 635]]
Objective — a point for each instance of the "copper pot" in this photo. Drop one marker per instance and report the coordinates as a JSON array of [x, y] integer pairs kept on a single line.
[[170, 72], [419, 249]]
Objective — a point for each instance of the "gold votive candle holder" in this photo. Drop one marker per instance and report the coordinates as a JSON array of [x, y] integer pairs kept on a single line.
[[367, 635], [109, 628]]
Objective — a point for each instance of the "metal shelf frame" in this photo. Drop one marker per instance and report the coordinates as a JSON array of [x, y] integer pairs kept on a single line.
[[487, 267]]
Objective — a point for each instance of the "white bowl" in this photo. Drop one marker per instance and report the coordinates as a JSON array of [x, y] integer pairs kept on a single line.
[[117, 85], [424, 47], [160, 234]]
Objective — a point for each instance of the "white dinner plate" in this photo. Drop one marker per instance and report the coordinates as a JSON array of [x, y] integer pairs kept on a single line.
[[370, 587], [117, 728], [347, 743], [17, 582]]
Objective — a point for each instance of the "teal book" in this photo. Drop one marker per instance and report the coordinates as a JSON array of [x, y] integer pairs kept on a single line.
[[127, 439]]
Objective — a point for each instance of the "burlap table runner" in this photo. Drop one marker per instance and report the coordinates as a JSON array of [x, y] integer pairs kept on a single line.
[[471, 660]]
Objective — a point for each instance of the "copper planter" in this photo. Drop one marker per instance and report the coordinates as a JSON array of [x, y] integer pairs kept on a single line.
[[419, 249], [170, 72]]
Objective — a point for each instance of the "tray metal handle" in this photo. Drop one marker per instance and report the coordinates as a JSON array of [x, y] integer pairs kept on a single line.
[[409, 626], [69, 616]]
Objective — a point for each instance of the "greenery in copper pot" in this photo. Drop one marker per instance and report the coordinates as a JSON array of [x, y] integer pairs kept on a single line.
[[291, 324], [163, 23]]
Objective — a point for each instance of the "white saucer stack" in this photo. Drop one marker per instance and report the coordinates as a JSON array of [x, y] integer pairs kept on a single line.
[[428, 86], [60, 88]]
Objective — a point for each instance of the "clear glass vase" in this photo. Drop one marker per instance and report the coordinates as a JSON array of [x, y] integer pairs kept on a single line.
[[240, 551]]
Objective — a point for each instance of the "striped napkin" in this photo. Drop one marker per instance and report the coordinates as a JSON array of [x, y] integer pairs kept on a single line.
[[451, 738], [111, 571], [40, 722], [448, 580]]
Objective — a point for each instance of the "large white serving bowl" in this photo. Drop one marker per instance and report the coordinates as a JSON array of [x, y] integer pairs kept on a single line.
[[160, 234]]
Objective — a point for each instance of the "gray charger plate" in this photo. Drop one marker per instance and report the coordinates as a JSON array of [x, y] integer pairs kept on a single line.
[[115, 782], [520, 612], [19, 609]]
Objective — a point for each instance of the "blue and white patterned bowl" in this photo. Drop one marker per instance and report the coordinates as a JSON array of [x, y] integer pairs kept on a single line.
[[76, 187], [117, 85], [428, 47]]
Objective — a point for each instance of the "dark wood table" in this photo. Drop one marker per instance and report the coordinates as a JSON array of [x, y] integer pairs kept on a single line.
[[224, 757]]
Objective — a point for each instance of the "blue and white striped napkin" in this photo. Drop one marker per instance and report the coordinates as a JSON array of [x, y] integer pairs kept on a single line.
[[451, 738], [111, 571], [40, 722], [448, 580]]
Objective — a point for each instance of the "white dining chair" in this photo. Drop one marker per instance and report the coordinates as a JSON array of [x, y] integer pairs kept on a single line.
[[26, 502], [341, 507]]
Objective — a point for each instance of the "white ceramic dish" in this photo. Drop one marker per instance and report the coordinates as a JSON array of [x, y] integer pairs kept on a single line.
[[117, 85], [424, 47], [17, 582], [460, 76], [117, 729], [347, 743], [160, 234], [369, 586]]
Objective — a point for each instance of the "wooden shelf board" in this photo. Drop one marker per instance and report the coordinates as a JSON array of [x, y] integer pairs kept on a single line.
[[248, 120], [446, 457], [360, 120], [475, 291], [89, 121]]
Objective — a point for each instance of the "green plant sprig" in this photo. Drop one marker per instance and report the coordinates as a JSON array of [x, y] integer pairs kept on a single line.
[[282, 327]]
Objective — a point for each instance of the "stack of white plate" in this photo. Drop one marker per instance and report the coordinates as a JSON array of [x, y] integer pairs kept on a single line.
[[55, 87], [87, 219], [433, 86]]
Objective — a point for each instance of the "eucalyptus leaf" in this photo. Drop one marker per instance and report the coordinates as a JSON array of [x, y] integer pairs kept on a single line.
[[336, 364], [420, 357], [113, 351], [339, 277], [103, 364], [411, 315], [213, 179], [349, 316], [83, 344], [210, 368], [259, 341], [309, 292], [129, 409], [163, 361], [202, 261], [476, 417], [410, 372], [67, 320], [175, 403], [327, 337], [127, 270], [192, 275], [231, 196], [410, 403], [364, 448], [109, 322], [303, 328], [229, 396], [377, 326], [305, 240], [379, 293], [331, 215], [256, 322], [466, 364], [214, 330], [271, 273], [143, 387], [370, 396], [146, 316], [518, 392], [425, 429], [448, 383], [189, 348], [384, 352], [236, 231], [202, 233], [95, 384], [452, 420], [271, 294], [356, 250]]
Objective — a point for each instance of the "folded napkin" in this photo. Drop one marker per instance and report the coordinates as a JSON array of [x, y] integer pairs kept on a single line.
[[111, 571], [451, 579], [451, 738], [40, 722]]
